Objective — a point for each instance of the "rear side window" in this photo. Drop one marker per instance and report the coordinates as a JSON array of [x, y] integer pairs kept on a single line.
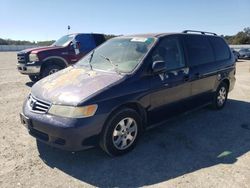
[[199, 50], [221, 49]]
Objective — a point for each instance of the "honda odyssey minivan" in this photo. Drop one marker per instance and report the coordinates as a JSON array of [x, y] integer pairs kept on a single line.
[[125, 86]]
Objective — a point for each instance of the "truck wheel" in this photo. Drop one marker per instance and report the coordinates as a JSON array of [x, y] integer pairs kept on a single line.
[[34, 78], [50, 69], [121, 132], [220, 97]]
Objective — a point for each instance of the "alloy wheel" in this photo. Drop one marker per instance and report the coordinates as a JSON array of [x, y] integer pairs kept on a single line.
[[125, 133], [222, 94]]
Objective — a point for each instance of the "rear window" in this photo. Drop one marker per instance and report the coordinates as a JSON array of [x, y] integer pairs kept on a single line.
[[199, 50], [221, 49]]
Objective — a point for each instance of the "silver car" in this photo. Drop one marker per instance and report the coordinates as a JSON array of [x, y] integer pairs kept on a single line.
[[244, 53]]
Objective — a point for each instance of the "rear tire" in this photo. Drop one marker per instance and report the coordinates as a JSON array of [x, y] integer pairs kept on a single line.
[[34, 78], [220, 97], [50, 69], [121, 132]]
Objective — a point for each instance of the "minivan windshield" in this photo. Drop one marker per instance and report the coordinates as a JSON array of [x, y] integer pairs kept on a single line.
[[64, 41], [120, 54]]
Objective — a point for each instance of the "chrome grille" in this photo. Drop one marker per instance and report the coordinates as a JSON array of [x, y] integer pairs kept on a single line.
[[37, 105], [22, 59]]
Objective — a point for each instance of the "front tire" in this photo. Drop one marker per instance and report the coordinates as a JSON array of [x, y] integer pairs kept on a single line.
[[220, 97], [121, 132], [50, 69]]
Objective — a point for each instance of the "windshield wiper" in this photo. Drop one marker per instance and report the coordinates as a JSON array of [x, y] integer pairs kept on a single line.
[[90, 59], [111, 62]]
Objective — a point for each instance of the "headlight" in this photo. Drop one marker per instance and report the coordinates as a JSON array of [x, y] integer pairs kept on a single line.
[[73, 112], [33, 57]]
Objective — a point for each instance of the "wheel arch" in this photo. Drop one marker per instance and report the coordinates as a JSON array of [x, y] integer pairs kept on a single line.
[[226, 81], [54, 60], [131, 105]]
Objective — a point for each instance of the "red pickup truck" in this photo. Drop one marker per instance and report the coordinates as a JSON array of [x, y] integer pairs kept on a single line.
[[40, 62]]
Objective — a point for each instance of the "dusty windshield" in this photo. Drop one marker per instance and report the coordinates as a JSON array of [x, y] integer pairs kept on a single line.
[[123, 54], [64, 41]]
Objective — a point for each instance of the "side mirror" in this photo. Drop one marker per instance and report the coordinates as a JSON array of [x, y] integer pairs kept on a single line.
[[71, 45], [159, 66], [75, 44]]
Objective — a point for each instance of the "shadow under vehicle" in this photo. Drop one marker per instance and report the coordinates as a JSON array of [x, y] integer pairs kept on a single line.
[[198, 140]]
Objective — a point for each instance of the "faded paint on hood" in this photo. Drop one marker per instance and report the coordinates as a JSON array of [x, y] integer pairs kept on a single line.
[[72, 85]]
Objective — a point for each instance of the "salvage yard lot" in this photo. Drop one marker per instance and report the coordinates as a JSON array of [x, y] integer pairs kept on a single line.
[[204, 148]]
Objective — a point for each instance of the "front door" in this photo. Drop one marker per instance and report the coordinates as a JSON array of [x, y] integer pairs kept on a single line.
[[170, 89]]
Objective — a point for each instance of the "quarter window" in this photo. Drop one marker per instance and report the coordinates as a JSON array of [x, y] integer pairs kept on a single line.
[[220, 48]]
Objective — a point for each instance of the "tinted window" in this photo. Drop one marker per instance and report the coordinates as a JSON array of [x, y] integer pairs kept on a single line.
[[199, 50], [170, 51], [220, 48], [87, 42], [99, 39]]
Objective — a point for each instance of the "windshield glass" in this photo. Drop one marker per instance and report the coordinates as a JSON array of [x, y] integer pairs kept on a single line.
[[64, 41], [120, 54]]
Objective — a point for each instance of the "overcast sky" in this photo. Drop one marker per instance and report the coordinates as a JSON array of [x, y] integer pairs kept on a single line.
[[48, 19]]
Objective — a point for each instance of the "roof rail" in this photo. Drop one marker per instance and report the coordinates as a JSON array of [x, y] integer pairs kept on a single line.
[[201, 32]]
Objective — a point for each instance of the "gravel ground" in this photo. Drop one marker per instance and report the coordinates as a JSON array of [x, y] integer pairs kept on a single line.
[[204, 148]]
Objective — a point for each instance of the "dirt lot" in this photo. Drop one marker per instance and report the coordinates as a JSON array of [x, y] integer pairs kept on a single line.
[[202, 149]]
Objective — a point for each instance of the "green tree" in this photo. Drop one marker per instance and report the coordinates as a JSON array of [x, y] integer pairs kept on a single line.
[[45, 43], [3, 42], [242, 37], [247, 31]]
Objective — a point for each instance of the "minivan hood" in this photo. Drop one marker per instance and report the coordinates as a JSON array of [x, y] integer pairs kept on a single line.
[[72, 85]]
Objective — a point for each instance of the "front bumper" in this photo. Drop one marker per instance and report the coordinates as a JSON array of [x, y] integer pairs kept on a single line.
[[70, 134], [30, 69]]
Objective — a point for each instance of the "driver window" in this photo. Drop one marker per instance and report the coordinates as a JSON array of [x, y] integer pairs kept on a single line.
[[86, 42], [170, 51]]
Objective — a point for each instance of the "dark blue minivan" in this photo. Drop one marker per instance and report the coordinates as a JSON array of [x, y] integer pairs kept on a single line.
[[126, 85]]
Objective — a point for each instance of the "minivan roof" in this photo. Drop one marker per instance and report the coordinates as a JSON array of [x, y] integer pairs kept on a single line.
[[148, 35], [158, 35]]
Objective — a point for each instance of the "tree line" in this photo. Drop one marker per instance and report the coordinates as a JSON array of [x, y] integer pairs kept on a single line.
[[242, 37], [38, 43], [25, 42]]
